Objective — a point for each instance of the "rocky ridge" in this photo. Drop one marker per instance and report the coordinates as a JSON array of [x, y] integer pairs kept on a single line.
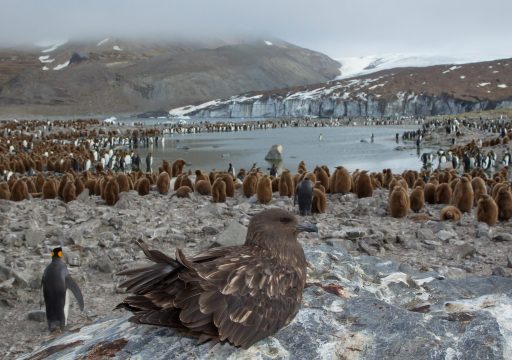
[[429, 91], [116, 75]]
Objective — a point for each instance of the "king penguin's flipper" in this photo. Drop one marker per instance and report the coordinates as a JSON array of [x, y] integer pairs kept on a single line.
[[73, 286]]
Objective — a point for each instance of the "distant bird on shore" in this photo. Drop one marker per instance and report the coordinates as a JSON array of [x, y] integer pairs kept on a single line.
[[56, 282], [239, 294]]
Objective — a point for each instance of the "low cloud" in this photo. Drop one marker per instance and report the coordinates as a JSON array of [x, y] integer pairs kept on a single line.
[[339, 28]]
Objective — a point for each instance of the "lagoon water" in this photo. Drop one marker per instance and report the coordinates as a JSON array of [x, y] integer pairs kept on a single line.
[[339, 146]]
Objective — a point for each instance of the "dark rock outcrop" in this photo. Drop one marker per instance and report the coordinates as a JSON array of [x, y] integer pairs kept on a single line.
[[357, 307]]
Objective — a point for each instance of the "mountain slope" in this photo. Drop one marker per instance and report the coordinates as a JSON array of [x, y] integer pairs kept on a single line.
[[442, 89], [114, 75]]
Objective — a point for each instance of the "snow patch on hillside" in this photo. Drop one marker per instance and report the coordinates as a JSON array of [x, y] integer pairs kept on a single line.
[[355, 66], [117, 48], [53, 47], [103, 42], [46, 59], [268, 43], [61, 66]]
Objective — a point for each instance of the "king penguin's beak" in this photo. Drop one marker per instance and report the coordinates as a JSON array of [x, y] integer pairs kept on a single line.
[[308, 227]]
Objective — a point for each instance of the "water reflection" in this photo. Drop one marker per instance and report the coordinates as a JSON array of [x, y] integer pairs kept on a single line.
[[347, 146]]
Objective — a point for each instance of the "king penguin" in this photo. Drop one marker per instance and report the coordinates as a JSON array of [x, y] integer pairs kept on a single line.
[[56, 282]]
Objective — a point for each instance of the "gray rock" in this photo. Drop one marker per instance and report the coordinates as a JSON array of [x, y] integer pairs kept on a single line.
[[34, 237], [465, 250], [425, 234], [7, 273], [499, 271], [445, 235], [104, 265], [233, 234], [509, 261], [483, 230], [502, 237], [37, 315], [275, 153], [127, 200], [209, 230], [83, 196], [12, 239], [355, 234]]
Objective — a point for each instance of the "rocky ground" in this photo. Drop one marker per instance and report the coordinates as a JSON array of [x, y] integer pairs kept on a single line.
[[375, 283]]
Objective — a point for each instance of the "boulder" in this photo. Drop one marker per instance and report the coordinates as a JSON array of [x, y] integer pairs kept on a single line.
[[275, 153]]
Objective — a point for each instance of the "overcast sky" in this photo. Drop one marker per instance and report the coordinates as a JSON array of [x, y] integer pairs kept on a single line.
[[338, 28]]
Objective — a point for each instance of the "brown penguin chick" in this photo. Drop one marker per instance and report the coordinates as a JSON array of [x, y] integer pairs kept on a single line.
[[479, 189], [417, 199], [63, 181], [212, 176], [430, 193], [167, 168], [497, 188], [487, 210], [363, 185], [177, 182], [90, 184], [319, 202], [79, 186], [326, 169], [31, 187], [321, 175], [296, 179], [39, 182], [177, 167], [504, 202], [399, 202], [49, 189], [410, 177], [240, 294], [450, 212], [301, 167], [286, 185], [186, 181], [219, 190], [463, 195], [275, 184], [419, 182], [69, 192], [264, 190], [182, 192], [375, 182], [123, 181], [342, 181], [203, 187], [111, 192], [5, 193], [388, 176], [311, 177], [453, 183], [443, 194], [142, 186], [250, 185], [19, 191], [230, 185], [163, 183], [200, 176], [319, 186]]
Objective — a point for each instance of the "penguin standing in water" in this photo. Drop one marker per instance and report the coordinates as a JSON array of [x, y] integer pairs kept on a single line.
[[56, 282]]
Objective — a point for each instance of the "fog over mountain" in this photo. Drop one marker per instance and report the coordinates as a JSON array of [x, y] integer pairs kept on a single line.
[[337, 28]]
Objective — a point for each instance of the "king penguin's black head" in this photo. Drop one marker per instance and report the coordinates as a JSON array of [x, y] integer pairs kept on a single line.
[[57, 253]]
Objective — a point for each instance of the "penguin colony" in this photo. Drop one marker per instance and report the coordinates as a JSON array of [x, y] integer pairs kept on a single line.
[[52, 176]]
